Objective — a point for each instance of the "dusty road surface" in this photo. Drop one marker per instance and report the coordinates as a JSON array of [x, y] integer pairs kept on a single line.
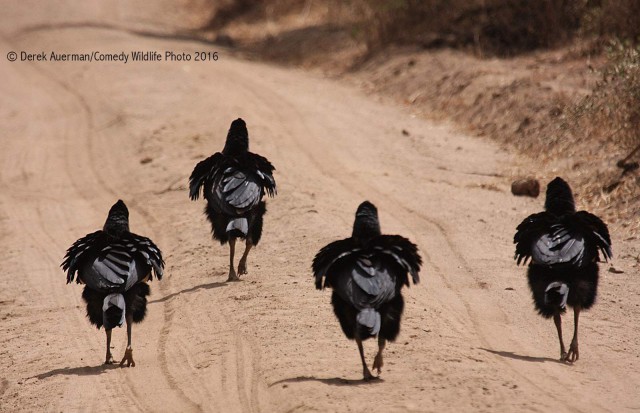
[[76, 136]]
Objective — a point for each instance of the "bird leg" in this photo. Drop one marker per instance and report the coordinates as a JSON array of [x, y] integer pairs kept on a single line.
[[574, 354], [128, 353], [377, 362], [365, 370], [242, 266], [232, 250], [109, 357], [557, 319]]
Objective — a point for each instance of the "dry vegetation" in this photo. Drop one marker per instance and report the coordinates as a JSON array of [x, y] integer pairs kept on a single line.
[[557, 80], [500, 27], [609, 119]]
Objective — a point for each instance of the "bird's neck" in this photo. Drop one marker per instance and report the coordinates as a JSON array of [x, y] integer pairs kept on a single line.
[[236, 145], [365, 228], [116, 227], [560, 206]]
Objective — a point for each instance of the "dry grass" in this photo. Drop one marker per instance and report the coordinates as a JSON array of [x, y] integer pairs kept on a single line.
[[616, 18], [489, 27], [544, 103], [609, 120], [497, 27]]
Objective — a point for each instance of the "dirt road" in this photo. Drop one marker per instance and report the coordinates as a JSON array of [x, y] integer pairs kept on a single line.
[[76, 136]]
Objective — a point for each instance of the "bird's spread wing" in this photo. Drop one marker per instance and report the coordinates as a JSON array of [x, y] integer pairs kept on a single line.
[[238, 190], [403, 251], [596, 233], [111, 262], [528, 233], [255, 168], [203, 171], [328, 255], [573, 239], [560, 245], [383, 251], [82, 248], [264, 169], [365, 281], [148, 250]]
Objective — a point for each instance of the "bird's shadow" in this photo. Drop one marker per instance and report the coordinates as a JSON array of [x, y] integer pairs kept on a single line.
[[512, 355], [190, 290], [78, 371], [334, 381]]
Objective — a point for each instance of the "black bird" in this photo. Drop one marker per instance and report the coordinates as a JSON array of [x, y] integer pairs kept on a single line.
[[234, 183], [114, 264], [564, 247], [367, 272]]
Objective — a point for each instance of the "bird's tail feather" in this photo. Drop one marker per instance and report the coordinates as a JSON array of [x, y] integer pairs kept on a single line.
[[556, 294], [238, 227], [368, 322], [113, 311]]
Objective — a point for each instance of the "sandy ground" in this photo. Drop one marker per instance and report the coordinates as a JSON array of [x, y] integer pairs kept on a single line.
[[77, 136]]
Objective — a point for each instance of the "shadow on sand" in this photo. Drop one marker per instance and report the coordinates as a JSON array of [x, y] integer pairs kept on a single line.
[[511, 355], [336, 381], [190, 290], [78, 371]]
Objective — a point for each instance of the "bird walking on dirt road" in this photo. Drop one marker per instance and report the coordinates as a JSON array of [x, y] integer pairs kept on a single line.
[[564, 247], [234, 183], [367, 272], [114, 264]]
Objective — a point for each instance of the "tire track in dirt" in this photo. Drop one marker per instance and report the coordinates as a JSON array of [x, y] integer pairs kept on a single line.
[[223, 368], [278, 106], [35, 219], [87, 186]]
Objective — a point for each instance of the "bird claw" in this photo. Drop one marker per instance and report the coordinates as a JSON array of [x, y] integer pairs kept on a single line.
[[573, 354], [128, 357], [233, 276], [242, 268], [109, 359], [369, 377]]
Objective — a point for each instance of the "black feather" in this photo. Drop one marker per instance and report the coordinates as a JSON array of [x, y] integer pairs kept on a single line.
[[203, 171], [559, 198], [367, 272], [564, 247], [94, 300], [583, 228], [114, 261], [136, 299], [234, 182], [99, 243], [582, 284]]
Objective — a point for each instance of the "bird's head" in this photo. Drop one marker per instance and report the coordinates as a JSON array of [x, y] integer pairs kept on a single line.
[[366, 224], [237, 138], [559, 197], [118, 220]]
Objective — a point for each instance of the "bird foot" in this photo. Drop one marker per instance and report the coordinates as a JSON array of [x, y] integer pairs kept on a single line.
[[573, 354], [242, 267], [109, 359], [378, 363], [367, 376], [233, 276], [128, 357]]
